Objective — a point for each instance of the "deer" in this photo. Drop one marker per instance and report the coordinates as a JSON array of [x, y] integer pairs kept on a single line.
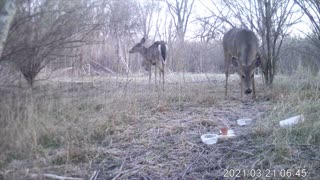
[[241, 49], [155, 55]]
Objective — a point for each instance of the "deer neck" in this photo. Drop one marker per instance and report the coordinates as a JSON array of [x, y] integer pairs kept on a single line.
[[247, 58], [143, 51]]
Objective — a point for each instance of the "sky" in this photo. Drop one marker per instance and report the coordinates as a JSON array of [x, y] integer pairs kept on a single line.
[[202, 8]]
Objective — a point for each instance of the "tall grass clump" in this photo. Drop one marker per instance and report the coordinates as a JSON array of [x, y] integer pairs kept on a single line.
[[295, 147]]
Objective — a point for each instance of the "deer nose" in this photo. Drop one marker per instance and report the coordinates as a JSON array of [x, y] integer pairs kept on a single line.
[[248, 91]]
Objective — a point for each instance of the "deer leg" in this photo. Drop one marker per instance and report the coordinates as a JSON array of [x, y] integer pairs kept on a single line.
[[149, 72], [226, 85], [163, 77], [241, 86], [253, 89], [155, 75], [160, 71], [227, 59]]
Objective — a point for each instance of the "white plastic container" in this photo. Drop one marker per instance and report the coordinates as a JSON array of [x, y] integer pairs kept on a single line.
[[244, 122], [291, 121], [209, 138]]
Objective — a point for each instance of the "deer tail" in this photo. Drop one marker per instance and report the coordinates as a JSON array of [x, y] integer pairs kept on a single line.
[[162, 49]]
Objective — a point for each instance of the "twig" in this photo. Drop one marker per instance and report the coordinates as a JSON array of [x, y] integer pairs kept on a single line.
[[254, 164], [52, 176], [127, 171], [95, 175], [220, 160], [123, 162], [195, 160], [43, 79], [125, 159]]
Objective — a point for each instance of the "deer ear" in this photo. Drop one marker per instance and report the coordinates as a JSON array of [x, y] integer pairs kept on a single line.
[[143, 40], [257, 62], [235, 61]]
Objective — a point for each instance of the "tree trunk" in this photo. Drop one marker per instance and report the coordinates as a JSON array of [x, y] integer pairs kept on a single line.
[[121, 58], [7, 13]]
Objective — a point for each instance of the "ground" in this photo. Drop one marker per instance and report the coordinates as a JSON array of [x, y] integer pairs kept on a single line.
[[119, 128]]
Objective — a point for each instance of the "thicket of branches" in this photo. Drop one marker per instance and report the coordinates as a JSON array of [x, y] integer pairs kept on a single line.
[[312, 11], [44, 30], [95, 36]]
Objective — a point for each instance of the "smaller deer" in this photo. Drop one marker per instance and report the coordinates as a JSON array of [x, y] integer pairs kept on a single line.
[[241, 49], [155, 55]]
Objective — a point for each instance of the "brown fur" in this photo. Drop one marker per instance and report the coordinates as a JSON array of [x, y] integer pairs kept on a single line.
[[241, 49], [155, 55]]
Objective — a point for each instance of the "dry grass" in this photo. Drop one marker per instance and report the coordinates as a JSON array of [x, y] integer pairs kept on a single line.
[[118, 126], [297, 147]]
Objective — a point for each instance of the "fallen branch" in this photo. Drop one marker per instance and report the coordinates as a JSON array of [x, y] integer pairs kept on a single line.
[[95, 175], [195, 160], [52, 176], [126, 172], [103, 67], [123, 162], [60, 177]]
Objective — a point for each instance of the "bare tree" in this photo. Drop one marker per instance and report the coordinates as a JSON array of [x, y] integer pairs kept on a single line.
[[311, 8], [7, 12], [210, 29], [180, 11], [43, 30], [299, 53], [277, 17], [124, 22], [270, 19], [148, 14]]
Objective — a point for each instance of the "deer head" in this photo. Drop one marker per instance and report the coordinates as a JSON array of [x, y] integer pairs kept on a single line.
[[138, 47], [246, 72]]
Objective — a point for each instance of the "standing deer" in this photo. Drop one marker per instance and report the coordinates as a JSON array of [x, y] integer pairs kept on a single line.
[[241, 48], [155, 55]]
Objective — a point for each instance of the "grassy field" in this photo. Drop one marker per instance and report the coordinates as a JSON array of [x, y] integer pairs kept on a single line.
[[118, 128]]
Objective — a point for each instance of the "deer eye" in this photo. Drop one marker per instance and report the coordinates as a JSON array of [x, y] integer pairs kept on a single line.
[[243, 76]]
